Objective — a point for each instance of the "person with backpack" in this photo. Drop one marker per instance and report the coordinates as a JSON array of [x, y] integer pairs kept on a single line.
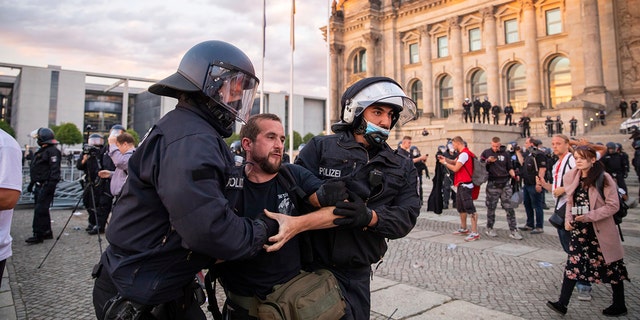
[[534, 166], [463, 168], [268, 183], [595, 251]]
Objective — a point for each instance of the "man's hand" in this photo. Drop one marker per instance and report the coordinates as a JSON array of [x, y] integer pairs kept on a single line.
[[291, 226], [356, 214], [331, 192], [559, 191], [104, 174]]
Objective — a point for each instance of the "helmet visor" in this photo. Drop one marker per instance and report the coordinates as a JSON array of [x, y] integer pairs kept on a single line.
[[387, 93], [232, 88]]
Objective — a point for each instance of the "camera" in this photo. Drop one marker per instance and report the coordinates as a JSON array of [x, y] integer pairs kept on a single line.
[[90, 150]]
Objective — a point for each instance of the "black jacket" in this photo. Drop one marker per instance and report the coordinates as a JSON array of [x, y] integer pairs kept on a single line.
[[173, 219], [392, 194], [45, 166]]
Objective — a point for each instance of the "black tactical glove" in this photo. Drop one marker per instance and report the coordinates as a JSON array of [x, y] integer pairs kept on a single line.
[[331, 192], [30, 187], [270, 225], [356, 214]]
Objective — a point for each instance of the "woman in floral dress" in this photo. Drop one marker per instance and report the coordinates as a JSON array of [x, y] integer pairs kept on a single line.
[[595, 250]]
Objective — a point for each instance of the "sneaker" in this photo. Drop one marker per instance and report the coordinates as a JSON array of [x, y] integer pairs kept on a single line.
[[472, 237], [584, 294], [515, 235], [461, 231], [525, 228], [537, 231], [491, 233]]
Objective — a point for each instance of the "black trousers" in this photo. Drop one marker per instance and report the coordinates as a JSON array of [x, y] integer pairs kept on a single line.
[[98, 204], [43, 196]]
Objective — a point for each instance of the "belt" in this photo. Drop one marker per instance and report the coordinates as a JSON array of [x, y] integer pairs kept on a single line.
[[248, 303]]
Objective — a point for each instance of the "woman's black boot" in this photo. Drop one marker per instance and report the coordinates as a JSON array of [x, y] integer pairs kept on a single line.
[[618, 308]]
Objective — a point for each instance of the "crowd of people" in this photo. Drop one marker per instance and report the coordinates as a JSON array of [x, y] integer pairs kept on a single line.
[[257, 222]]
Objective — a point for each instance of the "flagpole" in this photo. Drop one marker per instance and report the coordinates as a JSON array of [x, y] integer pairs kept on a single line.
[[293, 45], [264, 34]]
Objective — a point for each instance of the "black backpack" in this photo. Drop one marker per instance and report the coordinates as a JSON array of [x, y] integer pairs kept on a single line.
[[622, 210]]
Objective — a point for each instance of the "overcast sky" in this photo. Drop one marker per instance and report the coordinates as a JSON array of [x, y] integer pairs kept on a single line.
[[147, 38]]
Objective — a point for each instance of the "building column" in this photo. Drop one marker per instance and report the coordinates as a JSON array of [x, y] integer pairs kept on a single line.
[[592, 52], [534, 103], [455, 47], [491, 40], [370, 40], [427, 68], [334, 96]]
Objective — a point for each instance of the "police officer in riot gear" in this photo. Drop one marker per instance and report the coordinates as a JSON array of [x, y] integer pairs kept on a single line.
[[45, 174], [172, 218], [616, 165], [385, 203], [97, 196]]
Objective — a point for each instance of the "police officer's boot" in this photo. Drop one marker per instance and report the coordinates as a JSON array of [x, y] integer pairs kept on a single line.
[[35, 239]]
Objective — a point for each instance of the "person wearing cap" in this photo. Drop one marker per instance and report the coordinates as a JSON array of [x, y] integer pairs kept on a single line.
[[172, 218], [383, 203], [97, 198], [466, 106], [45, 174]]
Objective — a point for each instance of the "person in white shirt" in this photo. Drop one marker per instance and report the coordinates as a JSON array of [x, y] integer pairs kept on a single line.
[[10, 189]]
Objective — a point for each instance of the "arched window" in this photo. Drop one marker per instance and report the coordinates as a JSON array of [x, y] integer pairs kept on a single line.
[[446, 96], [416, 95], [559, 81], [517, 87], [479, 85], [360, 62]]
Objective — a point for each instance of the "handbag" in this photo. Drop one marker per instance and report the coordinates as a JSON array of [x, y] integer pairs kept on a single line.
[[309, 295], [557, 217], [516, 199]]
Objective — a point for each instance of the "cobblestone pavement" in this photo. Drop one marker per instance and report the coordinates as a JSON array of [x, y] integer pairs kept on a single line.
[[510, 276]]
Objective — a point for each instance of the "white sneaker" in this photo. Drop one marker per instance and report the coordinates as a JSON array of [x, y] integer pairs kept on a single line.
[[472, 237], [584, 294], [515, 235], [491, 233]]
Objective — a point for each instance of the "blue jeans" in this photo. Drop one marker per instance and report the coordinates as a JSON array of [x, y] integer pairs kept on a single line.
[[565, 238], [533, 200]]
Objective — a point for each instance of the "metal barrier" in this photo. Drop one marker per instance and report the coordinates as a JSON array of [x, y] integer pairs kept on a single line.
[[68, 190]]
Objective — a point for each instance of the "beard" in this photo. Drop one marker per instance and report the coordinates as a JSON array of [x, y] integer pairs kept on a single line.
[[267, 166]]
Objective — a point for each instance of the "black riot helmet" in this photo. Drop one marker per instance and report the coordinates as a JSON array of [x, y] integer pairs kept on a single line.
[[45, 136], [219, 71]]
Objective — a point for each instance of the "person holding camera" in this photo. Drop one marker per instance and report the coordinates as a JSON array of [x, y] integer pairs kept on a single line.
[[45, 174], [413, 153], [121, 148], [498, 163], [97, 197]]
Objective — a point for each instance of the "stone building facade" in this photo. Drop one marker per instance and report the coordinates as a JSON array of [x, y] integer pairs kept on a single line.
[[544, 57]]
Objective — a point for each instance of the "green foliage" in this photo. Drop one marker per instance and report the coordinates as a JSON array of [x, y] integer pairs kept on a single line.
[[7, 128], [234, 136], [297, 140], [136, 137], [67, 133], [307, 137]]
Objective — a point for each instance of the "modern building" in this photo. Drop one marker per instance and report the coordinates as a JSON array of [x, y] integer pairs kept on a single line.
[[41, 97], [545, 57]]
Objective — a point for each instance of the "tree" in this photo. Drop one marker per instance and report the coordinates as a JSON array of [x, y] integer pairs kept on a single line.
[[136, 137], [67, 133], [307, 137], [234, 136], [297, 140], [7, 128]]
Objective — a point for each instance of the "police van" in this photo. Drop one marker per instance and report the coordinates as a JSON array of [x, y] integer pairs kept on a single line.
[[634, 120]]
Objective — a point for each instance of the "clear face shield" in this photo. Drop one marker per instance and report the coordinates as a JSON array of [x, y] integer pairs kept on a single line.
[[95, 141], [232, 88], [381, 92]]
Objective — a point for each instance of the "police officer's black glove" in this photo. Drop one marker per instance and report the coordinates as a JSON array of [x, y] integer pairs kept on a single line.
[[356, 214], [30, 187], [331, 192], [270, 225]]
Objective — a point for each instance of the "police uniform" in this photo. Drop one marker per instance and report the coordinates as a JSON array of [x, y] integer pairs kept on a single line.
[[98, 199], [387, 182], [45, 174], [616, 166]]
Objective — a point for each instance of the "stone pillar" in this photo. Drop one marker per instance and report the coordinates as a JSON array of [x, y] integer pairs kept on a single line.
[[427, 68], [455, 50], [534, 105], [333, 101], [592, 52], [370, 41], [491, 41]]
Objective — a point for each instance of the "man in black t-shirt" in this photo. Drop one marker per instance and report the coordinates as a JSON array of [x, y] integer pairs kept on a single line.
[[534, 164], [258, 186]]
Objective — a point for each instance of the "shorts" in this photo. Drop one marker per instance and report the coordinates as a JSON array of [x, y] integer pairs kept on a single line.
[[464, 201]]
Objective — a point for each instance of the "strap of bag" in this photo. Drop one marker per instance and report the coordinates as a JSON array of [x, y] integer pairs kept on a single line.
[[297, 196], [210, 287]]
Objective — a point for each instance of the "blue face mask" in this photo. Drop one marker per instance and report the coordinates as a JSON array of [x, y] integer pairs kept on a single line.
[[375, 135], [371, 128]]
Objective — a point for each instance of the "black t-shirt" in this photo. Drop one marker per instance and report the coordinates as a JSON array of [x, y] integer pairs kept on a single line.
[[258, 275], [533, 162], [498, 170]]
